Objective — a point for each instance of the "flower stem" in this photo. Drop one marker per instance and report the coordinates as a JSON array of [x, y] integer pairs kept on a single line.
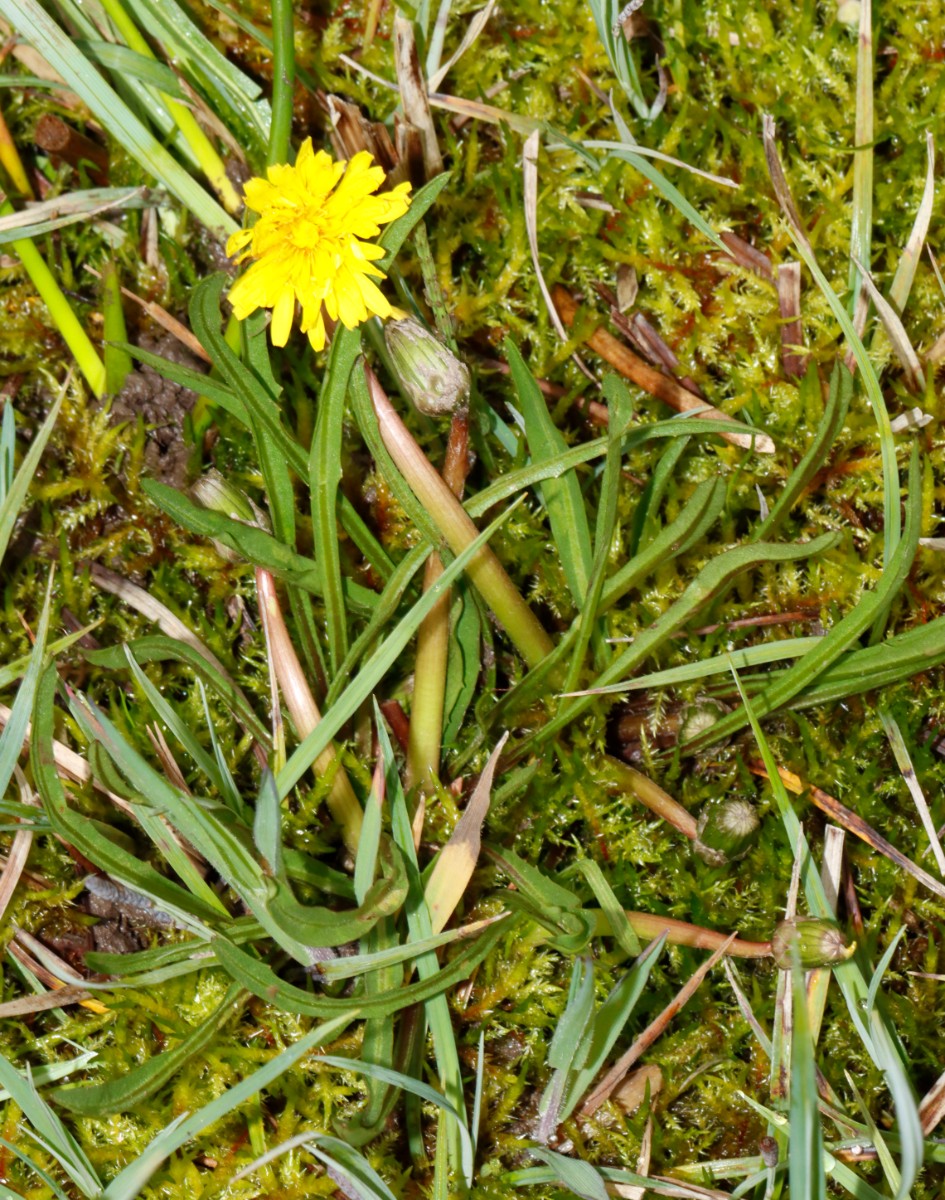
[[652, 795], [433, 638], [342, 802], [64, 318], [117, 360], [283, 81], [648, 926], [458, 530], [203, 149]]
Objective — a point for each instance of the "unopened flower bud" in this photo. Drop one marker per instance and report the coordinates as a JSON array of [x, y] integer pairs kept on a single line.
[[431, 375], [214, 492], [725, 830], [818, 943]]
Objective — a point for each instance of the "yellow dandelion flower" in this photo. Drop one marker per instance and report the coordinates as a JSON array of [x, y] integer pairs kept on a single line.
[[308, 243]]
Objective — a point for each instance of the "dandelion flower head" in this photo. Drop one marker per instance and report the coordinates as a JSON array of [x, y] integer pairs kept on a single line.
[[309, 243]]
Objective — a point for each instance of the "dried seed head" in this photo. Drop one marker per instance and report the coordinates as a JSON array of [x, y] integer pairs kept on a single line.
[[431, 375], [818, 943], [725, 831], [699, 717]]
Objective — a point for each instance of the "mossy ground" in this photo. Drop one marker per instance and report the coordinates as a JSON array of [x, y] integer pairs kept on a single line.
[[729, 63]]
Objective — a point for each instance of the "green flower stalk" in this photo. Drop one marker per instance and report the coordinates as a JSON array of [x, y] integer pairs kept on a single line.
[[64, 318], [816, 943], [454, 523], [437, 383], [201, 147]]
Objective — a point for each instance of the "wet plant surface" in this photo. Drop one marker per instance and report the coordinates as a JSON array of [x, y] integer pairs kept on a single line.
[[638, 548]]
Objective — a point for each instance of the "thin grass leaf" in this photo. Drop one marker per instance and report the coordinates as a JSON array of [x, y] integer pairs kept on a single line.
[[428, 968], [870, 609], [901, 285], [835, 414], [876, 1037], [346, 1162], [861, 231], [20, 1153], [806, 1150], [263, 982], [904, 762], [324, 477], [128, 1184], [605, 525], [569, 1046], [850, 1181], [608, 1025], [59, 51], [892, 526], [141, 1082], [713, 577], [49, 1130], [158, 648], [377, 666], [207, 67], [562, 496], [15, 728], [84, 835], [580, 1178], [18, 485]]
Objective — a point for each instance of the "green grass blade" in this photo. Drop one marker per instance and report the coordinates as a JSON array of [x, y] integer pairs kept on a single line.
[[377, 666], [861, 232], [129, 1183], [40, 31], [138, 1084], [835, 413], [806, 1150], [892, 523], [55, 1137], [324, 477], [561, 496], [871, 607], [16, 491]]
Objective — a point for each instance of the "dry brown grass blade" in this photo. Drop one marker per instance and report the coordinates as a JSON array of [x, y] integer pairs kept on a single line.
[[632, 367], [23, 1006], [413, 93], [458, 858], [530, 198], [932, 1106], [342, 802], [901, 285], [473, 30], [70, 765], [144, 603], [24, 947], [793, 359], [19, 849], [162, 317], [852, 823], [895, 331], [745, 254], [653, 1031]]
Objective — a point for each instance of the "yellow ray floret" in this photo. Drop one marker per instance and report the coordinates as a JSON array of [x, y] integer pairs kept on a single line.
[[308, 243]]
